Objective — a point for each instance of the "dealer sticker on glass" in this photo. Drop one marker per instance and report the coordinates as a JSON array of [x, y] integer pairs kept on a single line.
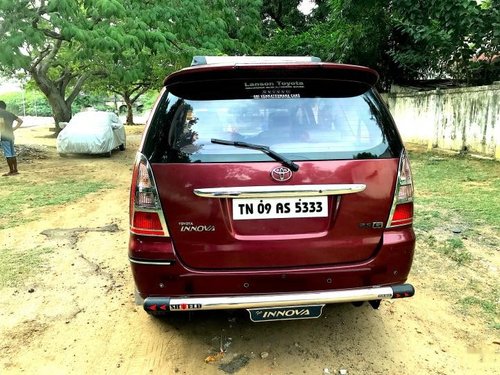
[[280, 208]]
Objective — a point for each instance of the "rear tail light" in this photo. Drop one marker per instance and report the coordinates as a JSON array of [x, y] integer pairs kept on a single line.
[[402, 206], [146, 215]]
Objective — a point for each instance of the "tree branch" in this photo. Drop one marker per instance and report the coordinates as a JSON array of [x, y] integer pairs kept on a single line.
[[76, 89], [140, 86], [64, 80], [40, 57], [50, 57], [142, 91], [52, 34], [34, 23], [175, 44], [115, 92]]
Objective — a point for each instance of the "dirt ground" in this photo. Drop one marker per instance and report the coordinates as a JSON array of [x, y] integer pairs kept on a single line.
[[77, 314]]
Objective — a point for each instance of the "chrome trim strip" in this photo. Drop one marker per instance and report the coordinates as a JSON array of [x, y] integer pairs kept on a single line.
[[281, 300], [151, 263], [396, 193], [275, 191]]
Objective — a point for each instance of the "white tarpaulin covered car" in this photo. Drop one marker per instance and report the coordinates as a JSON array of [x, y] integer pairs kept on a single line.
[[92, 132]]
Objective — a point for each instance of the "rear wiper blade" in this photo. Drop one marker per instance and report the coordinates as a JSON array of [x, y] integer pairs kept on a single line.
[[265, 149]]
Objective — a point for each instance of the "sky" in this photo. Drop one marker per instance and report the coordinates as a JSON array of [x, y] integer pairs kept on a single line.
[[9, 86], [306, 6]]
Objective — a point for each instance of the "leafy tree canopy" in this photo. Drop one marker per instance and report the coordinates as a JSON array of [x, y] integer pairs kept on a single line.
[[60, 44], [201, 27], [402, 39], [281, 14], [443, 38]]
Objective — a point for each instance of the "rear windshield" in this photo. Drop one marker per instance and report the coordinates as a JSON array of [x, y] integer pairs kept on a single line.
[[299, 128]]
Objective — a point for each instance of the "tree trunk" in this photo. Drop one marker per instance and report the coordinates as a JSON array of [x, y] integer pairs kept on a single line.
[[61, 111], [55, 89], [130, 113], [130, 97]]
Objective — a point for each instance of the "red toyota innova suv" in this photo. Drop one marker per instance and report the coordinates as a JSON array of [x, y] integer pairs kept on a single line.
[[276, 185]]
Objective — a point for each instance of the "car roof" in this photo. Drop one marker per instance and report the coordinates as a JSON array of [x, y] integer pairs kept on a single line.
[[95, 114], [203, 60]]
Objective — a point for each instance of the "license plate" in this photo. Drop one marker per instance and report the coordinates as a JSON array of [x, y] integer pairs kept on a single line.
[[285, 313], [280, 208]]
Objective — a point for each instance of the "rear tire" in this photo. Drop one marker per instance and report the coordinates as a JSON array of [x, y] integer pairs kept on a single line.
[[122, 147], [375, 303]]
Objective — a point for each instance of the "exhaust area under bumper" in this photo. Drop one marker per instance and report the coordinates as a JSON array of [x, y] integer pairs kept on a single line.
[[155, 305]]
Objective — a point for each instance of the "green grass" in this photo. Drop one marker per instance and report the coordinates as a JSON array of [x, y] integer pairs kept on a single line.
[[454, 249], [427, 219], [468, 188], [17, 266], [16, 196], [453, 191], [457, 223], [486, 305]]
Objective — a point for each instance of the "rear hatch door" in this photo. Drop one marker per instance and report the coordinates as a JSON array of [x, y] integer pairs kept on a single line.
[[230, 207]]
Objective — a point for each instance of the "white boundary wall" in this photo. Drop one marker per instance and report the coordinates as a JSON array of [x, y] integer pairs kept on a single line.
[[452, 119]]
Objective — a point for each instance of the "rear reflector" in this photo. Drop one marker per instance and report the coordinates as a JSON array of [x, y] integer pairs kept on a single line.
[[403, 214], [147, 221]]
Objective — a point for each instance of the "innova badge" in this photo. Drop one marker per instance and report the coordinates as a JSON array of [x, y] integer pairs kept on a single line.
[[281, 174]]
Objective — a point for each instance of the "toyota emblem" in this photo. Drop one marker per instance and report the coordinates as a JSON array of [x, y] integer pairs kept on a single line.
[[281, 174]]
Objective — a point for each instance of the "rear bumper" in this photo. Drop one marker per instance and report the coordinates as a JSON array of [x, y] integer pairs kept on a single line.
[[163, 304], [169, 277]]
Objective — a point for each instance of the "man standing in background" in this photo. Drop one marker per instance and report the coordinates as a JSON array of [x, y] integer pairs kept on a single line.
[[7, 137]]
